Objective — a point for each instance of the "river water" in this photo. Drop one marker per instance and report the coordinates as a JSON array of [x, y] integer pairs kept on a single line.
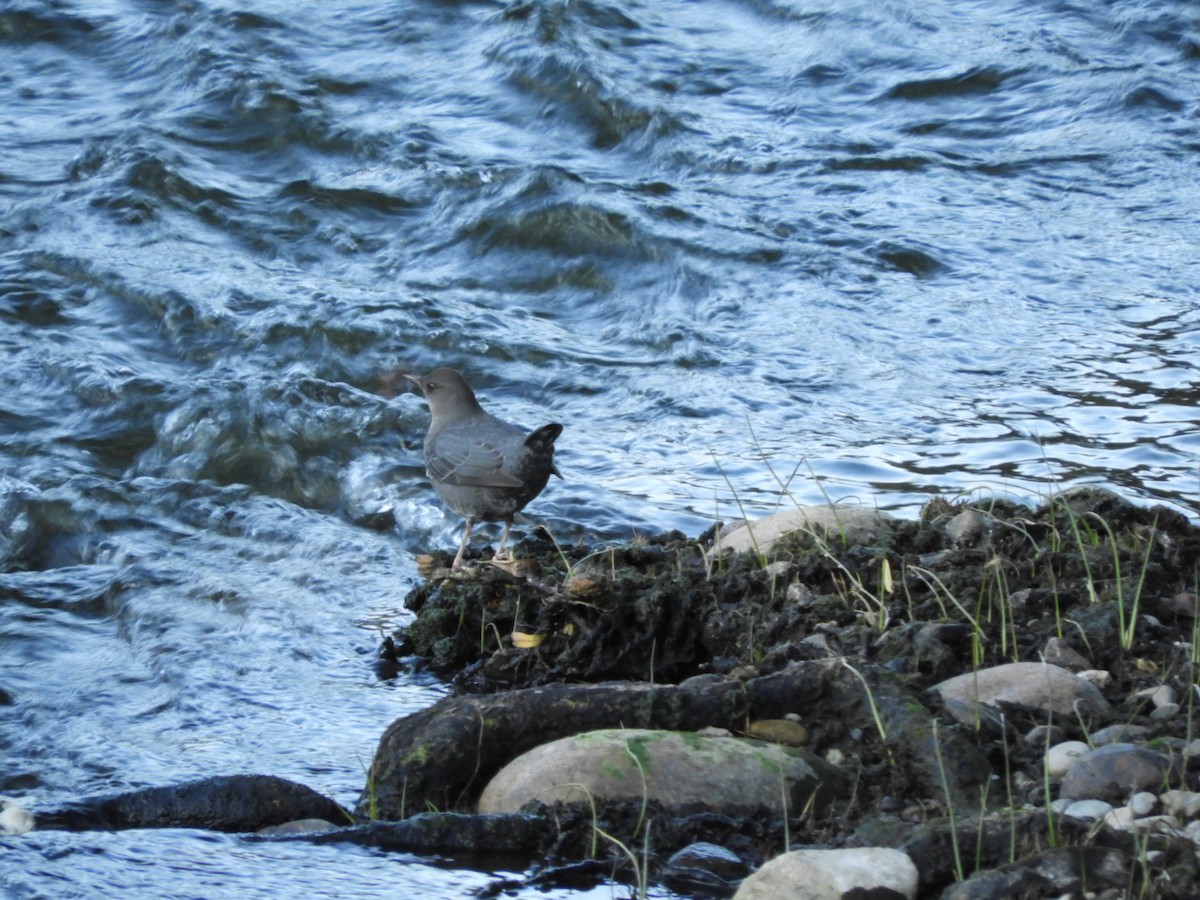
[[747, 252]]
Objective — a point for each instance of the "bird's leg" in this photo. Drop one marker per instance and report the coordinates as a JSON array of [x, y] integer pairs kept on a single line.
[[462, 548], [500, 554]]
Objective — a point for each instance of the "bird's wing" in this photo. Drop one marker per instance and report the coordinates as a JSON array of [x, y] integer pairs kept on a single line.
[[467, 462]]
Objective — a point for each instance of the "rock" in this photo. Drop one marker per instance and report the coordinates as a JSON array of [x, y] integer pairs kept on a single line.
[[778, 731], [831, 874], [299, 826], [683, 771], [1184, 804], [1086, 810], [1065, 872], [234, 803], [1026, 684], [1059, 653], [1120, 733], [1061, 757], [1099, 677], [1160, 695], [1143, 803], [13, 819], [1044, 736], [1114, 771], [856, 524], [705, 868], [966, 529]]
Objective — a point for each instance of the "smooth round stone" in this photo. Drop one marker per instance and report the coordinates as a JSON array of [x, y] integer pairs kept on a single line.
[[1087, 810], [1185, 804], [1114, 771], [1029, 684], [1061, 757], [705, 867], [1143, 803], [832, 874], [1160, 695]]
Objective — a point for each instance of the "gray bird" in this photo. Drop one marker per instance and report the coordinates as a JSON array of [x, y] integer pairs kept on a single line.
[[482, 467]]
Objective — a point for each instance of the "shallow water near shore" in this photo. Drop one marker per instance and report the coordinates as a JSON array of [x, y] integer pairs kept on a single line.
[[741, 250]]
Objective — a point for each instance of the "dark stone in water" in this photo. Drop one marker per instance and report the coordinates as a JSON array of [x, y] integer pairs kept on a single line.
[[235, 803]]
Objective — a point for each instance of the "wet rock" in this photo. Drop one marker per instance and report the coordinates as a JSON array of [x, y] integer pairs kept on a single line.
[[1030, 685], [1114, 771], [705, 867], [511, 837], [682, 771], [851, 524], [14, 819], [1054, 873], [832, 874], [233, 803], [1059, 653], [299, 826]]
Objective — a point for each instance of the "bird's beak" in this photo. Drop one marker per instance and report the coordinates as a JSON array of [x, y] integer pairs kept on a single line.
[[413, 379]]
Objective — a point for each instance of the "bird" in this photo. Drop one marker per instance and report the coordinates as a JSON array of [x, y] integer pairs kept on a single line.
[[483, 468]]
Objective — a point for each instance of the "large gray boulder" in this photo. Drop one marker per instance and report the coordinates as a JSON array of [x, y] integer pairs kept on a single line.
[[684, 771]]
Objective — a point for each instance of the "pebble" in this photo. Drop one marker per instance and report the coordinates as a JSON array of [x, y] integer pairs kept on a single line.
[[1113, 772], [1119, 733], [1060, 653], [1044, 735], [1143, 803], [1084, 810], [1166, 711], [1161, 695], [1061, 757], [705, 868], [1098, 677], [966, 529], [1185, 804]]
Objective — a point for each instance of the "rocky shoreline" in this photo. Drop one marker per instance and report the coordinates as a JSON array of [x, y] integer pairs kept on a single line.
[[989, 701]]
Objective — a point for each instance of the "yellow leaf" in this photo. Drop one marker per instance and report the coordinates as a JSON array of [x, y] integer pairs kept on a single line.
[[885, 576], [526, 641]]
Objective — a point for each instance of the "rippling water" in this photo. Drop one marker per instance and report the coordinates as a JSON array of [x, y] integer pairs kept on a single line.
[[741, 249]]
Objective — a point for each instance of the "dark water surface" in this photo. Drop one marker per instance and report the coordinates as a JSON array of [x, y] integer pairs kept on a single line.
[[875, 251]]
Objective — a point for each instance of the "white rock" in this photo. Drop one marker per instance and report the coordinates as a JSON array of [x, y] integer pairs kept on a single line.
[[1166, 711], [856, 523], [1184, 804], [828, 874], [1142, 803], [1120, 818], [1159, 695], [13, 819], [1168, 825], [1061, 757], [1098, 677], [1086, 810]]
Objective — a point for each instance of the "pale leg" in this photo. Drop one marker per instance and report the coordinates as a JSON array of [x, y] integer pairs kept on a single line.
[[462, 548]]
